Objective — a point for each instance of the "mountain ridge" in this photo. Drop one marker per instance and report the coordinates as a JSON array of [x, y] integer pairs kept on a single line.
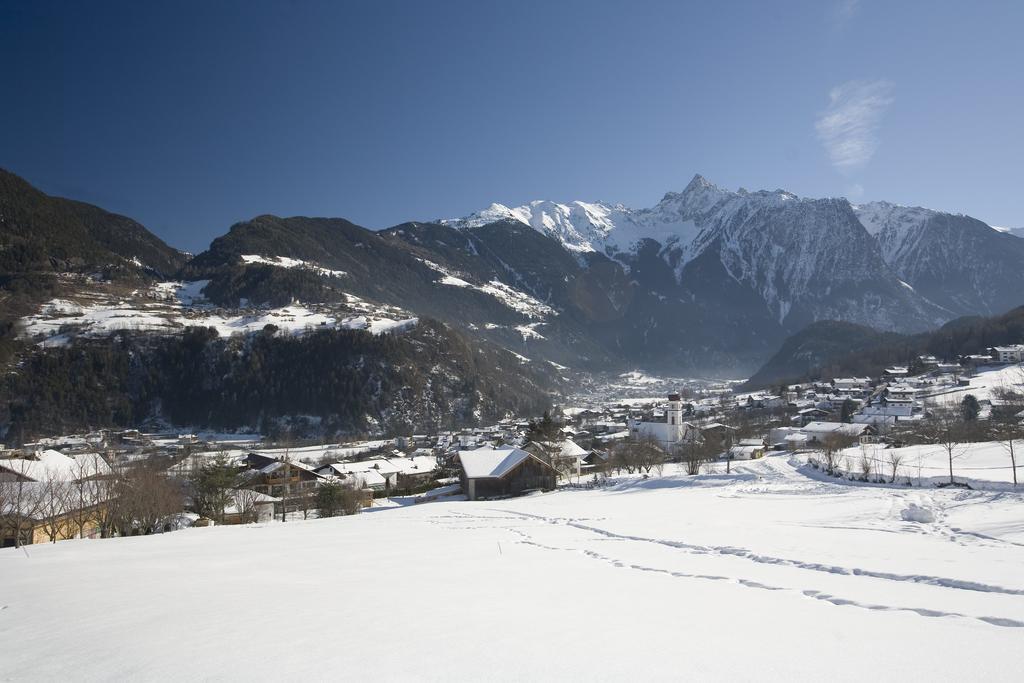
[[708, 281]]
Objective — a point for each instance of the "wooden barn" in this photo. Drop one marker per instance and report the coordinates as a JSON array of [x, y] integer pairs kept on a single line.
[[499, 472]]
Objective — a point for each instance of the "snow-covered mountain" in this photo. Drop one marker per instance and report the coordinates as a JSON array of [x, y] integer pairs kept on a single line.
[[953, 260], [1016, 232], [708, 280], [792, 259], [593, 226]]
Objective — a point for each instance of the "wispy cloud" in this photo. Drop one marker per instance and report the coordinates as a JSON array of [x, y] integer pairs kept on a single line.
[[844, 10], [849, 127]]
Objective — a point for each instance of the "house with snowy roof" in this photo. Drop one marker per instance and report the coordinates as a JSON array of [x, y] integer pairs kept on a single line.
[[279, 477], [50, 465], [43, 497], [500, 472], [819, 432]]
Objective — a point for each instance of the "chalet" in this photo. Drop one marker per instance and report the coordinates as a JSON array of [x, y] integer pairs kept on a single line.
[[279, 477], [852, 387], [717, 433], [499, 472], [594, 461], [818, 432], [974, 361], [363, 476], [385, 474], [807, 415], [416, 471], [762, 402], [751, 451]]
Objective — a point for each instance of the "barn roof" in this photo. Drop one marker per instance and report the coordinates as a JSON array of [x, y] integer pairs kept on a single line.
[[485, 463]]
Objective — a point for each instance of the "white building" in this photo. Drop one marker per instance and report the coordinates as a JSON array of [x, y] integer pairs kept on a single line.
[[670, 433], [1008, 354]]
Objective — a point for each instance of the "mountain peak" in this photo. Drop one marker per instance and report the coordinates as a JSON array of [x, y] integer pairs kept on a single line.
[[698, 183]]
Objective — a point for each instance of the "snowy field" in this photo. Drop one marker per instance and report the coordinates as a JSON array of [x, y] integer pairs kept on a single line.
[[764, 574], [984, 385], [982, 465]]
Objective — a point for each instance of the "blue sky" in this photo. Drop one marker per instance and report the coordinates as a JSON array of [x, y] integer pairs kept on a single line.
[[190, 116]]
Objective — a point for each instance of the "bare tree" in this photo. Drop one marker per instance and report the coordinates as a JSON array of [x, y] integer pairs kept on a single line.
[[55, 506], [20, 497], [944, 428], [649, 455], [90, 486], [639, 455], [831, 448], [620, 457], [247, 503], [567, 466], [895, 460], [1010, 435], [695, 454], [866, 466], [143, 500]]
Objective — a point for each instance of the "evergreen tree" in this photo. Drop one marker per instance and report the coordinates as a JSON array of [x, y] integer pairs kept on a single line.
[[969, 408], [211, 487], [544, 430]]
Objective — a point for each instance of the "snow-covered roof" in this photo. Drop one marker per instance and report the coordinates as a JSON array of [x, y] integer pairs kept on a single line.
[[835, 427], [277, 464], [239, 499], [570, 449], [369, 478], [485, 463], [53, 465], [416, 463]]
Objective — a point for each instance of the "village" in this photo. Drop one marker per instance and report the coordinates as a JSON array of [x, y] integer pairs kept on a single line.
[[954, 422]]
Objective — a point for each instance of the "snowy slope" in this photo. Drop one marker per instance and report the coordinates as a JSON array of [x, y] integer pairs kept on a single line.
[[595, 226], [897, 228], [170, 307], [1016, 232], [764, 574], [953, 260]]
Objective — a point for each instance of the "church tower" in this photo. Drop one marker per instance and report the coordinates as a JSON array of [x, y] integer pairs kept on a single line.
[[675, 419]]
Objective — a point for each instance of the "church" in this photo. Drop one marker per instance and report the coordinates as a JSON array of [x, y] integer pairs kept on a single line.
[[671, 431]]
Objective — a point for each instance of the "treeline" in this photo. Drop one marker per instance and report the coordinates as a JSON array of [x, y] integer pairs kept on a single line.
[[325, 383]]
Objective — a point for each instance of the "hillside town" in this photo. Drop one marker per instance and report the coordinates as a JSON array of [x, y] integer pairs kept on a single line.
[[126, 482]]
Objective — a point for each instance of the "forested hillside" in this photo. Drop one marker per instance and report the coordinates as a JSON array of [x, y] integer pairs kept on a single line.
[[832, 349], [330, 382]]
